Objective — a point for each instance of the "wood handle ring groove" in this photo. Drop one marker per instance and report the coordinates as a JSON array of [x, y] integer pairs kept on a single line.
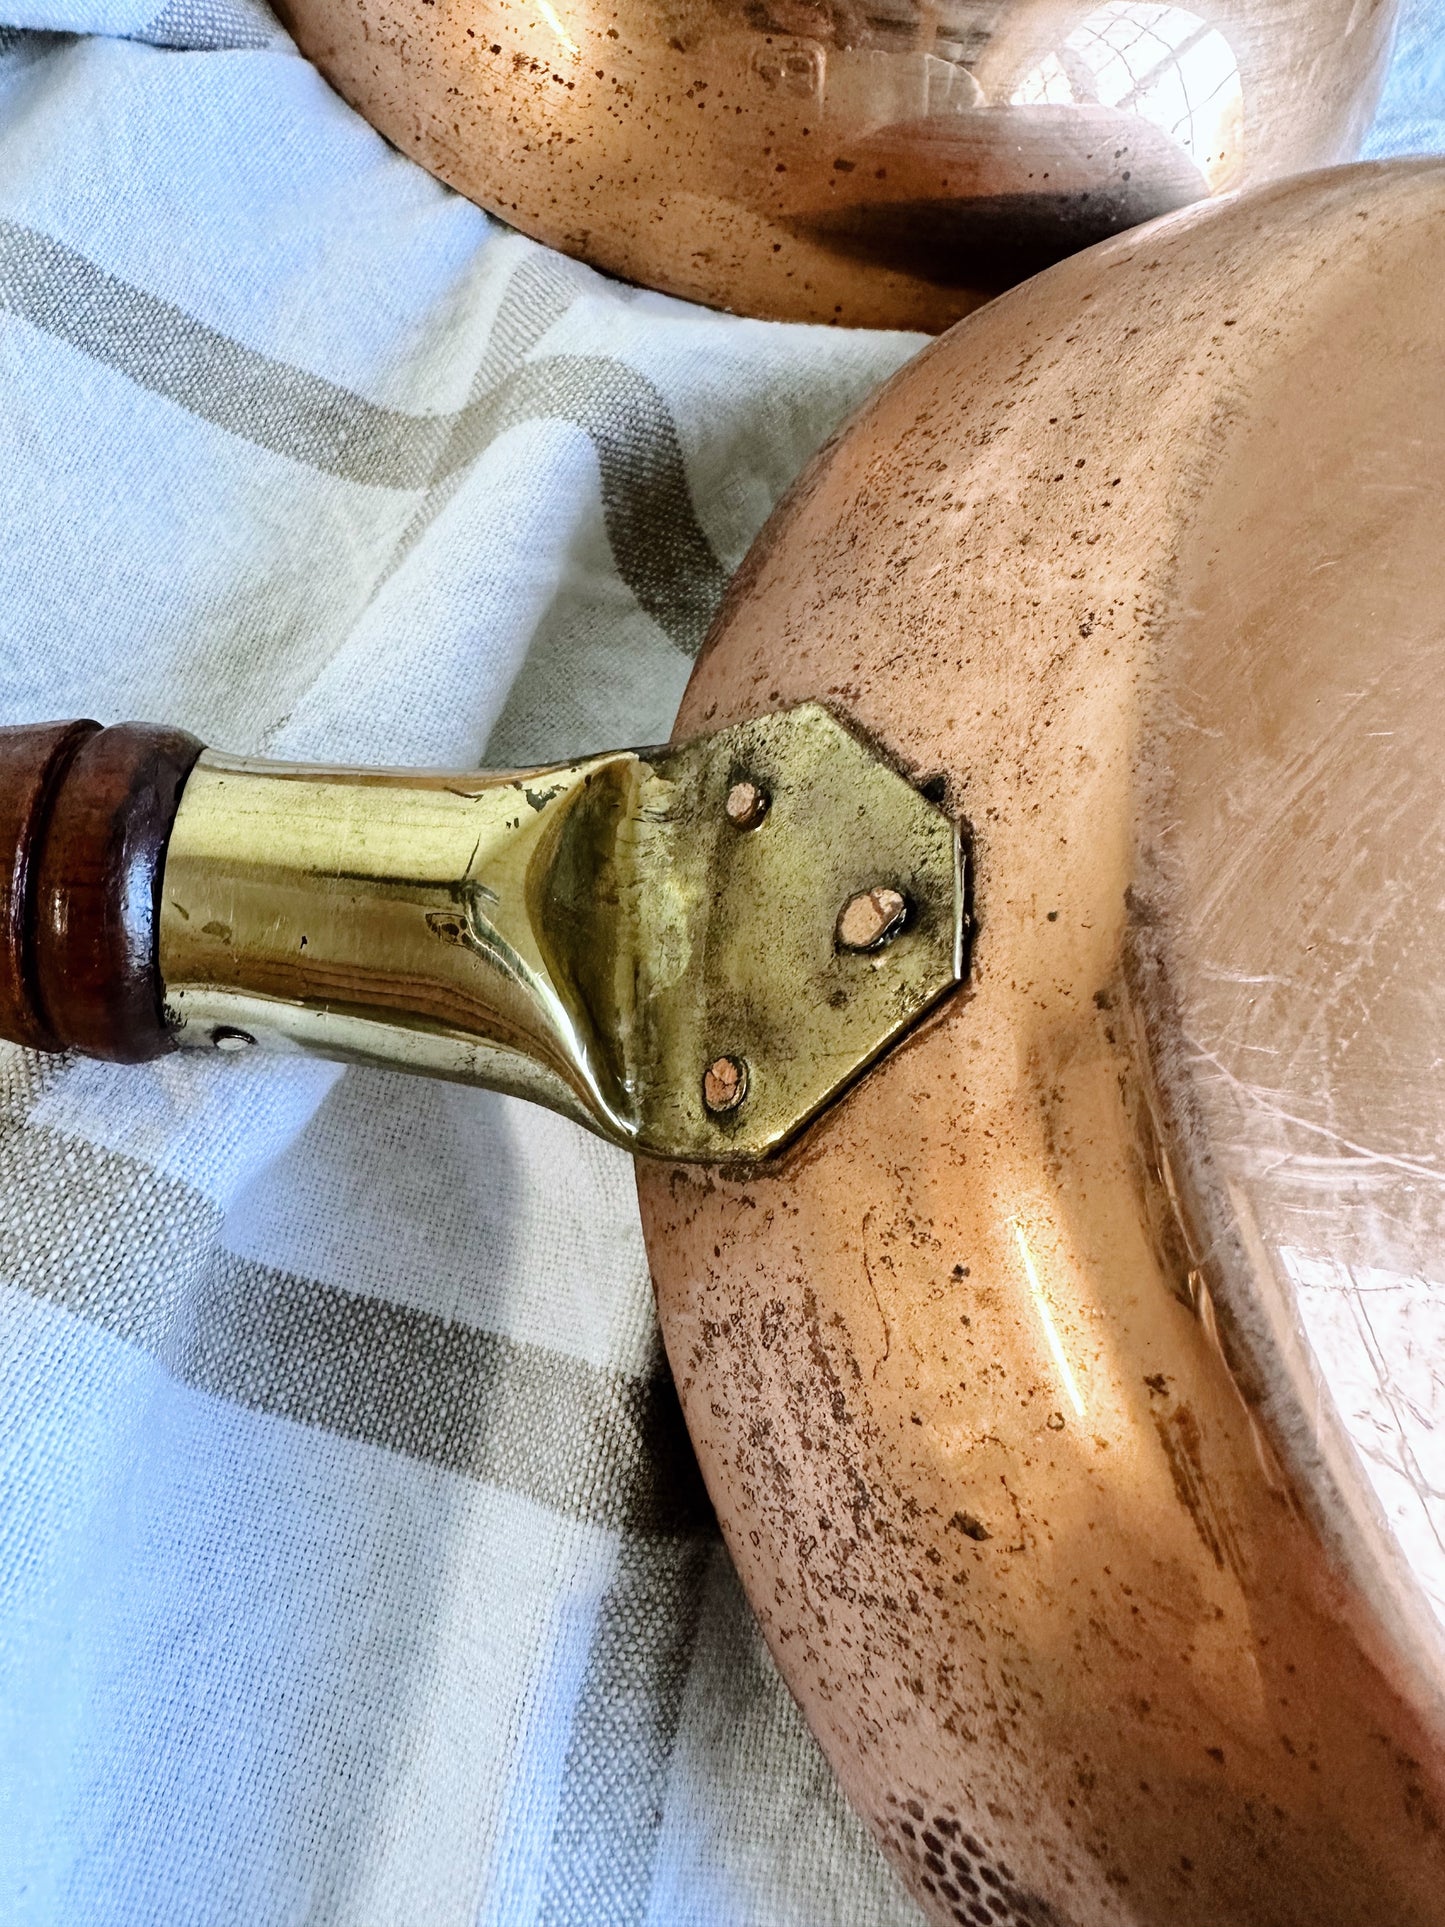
[[86, 814]]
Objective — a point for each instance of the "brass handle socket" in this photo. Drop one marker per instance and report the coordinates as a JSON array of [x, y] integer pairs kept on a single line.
[[596, 936]]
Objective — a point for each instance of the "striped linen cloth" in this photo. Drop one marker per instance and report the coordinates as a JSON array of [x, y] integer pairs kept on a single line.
[[354, 1567]]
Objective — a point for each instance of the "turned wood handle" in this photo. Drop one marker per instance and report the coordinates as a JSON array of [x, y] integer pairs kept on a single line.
[[85, 817]]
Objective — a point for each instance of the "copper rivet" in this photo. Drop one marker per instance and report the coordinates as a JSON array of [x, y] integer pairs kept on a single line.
[[747, 804], [871, 918], [225, 1037], [725, 1084]]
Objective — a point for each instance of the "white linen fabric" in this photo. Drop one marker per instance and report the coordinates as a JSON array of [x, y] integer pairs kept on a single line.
[[353, 1564]]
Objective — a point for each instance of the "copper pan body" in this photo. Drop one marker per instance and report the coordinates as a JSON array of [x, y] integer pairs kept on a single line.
[[999, 1382], [881, 163]]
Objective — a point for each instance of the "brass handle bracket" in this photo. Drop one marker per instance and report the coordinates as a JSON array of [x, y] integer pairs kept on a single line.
[[690, 949]]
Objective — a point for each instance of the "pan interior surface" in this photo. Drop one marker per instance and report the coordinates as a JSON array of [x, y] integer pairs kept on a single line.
[[878, 163]]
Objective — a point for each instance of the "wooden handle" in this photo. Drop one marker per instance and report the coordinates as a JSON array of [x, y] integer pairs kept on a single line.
[[85, 817]]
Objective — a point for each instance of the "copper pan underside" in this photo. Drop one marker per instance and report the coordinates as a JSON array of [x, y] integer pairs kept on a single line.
[[883, 163], [999, 1383]]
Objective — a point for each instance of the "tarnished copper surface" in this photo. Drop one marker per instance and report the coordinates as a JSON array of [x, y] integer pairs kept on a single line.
[[873, 162], [998, 1383]]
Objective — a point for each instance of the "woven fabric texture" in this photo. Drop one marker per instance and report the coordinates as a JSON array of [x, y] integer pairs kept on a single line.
[[354, 1567]]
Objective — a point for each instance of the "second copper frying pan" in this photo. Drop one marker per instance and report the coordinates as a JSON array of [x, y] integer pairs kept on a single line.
[[881, 163]]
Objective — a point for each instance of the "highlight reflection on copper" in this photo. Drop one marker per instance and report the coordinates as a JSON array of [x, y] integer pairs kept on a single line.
[[1161, 63], [1046, 1319], [550, 15]]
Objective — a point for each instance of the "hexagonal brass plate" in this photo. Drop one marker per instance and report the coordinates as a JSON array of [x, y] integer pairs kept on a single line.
[[736, 937]]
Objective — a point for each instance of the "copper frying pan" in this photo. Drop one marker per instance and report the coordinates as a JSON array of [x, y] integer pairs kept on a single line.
[[1000, 1384], [883, 163], [997, 1376]]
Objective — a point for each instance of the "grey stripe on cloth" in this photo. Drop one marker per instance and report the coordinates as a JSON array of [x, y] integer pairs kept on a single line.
[[604, 1842], [211, 26], [31, 40], [588, 1442], [539, 291], [661, 550], [134, 1252]]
